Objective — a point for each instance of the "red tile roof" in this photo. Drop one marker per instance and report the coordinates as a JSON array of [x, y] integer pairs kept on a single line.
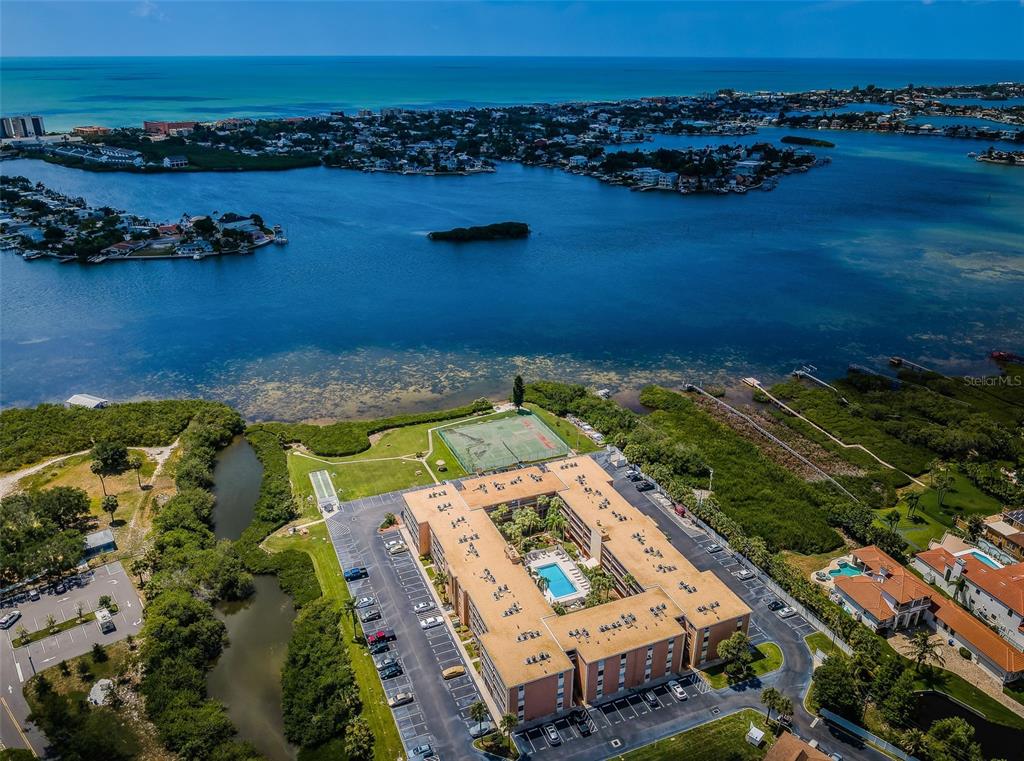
[[1004, 584], [973, 631]]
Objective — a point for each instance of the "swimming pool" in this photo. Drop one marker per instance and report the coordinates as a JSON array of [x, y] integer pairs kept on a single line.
[[558, 583], [845, 569], [985, 559]]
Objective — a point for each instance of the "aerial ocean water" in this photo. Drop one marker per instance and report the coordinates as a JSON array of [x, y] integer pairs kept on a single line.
[[900, 246], [117, 92]]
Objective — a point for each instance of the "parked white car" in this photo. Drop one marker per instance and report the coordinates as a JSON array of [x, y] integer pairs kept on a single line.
[[787, 612], [677, 690], [430, 623]]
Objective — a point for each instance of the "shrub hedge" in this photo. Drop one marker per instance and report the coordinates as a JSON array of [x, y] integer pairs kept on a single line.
[[351, 437]]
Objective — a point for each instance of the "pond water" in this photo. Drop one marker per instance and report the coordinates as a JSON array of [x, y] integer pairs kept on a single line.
[[996, 739], [247, 676], [236, 480]]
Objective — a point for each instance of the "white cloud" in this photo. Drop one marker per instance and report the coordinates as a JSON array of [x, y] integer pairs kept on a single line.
[[148, 9]]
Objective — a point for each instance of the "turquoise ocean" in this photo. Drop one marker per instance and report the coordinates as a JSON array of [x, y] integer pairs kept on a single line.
[[900, 246]]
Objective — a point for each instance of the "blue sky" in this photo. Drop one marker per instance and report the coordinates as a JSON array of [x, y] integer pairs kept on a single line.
[[947, 29]]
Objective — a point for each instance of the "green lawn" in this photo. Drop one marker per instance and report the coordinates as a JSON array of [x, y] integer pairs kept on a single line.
[[1015, 691], [931, 521], [569, 433], [375, 709], [353, 480], [719, 740], [819, 641], [767, 659]]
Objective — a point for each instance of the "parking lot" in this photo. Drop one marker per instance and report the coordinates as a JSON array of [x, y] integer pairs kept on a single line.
[[439, 714], [18, 664], [608, 718]]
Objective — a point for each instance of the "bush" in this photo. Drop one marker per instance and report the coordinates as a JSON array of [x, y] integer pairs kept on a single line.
[[965, 653], [28, 434], [351, 437], [319, 691]]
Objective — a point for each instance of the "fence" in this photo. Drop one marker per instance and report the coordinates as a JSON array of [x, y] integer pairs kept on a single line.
[[762, 576], [778, 591], [886, 747]]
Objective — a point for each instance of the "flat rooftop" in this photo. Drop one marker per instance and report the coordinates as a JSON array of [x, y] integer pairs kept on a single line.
[[525, 638]]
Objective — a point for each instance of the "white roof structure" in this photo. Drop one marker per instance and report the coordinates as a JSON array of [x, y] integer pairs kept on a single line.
[[86, 400], [755, 736]]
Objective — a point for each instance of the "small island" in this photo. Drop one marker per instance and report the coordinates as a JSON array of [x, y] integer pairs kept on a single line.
[[496, 231], [809, 141], [37, 222]]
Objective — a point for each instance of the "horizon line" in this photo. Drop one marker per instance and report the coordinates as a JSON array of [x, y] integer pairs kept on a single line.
[[516, 56]]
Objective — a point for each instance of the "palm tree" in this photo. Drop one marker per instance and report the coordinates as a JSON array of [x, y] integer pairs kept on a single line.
[[973, 527], [542, 583], [110, 506], [478, 711], [784, 706], [914, 742], [958, 590], [924, 648], [630, 581], [135, 463], [913, 499], [507, 724], [770, 699], [97, 468], [893, 519]]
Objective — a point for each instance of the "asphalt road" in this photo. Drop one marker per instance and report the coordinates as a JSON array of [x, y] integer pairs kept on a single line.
[[18, 664]]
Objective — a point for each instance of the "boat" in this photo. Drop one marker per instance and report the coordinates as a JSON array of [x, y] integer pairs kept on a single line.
[[280, 238], [197, 257]]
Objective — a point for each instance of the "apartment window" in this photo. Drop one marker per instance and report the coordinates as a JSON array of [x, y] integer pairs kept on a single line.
[[739, 624]]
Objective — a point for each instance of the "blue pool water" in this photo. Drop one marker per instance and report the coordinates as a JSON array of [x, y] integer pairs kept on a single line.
[[558, 583], [845, 569], [986, 560]]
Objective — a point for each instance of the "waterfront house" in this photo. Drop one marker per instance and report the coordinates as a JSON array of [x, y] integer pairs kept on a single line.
[[884, 596], [175, 162], [1006, 532], [992, 593]]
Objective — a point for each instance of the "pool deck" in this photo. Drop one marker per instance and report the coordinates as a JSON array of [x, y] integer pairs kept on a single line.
[[829, 582]]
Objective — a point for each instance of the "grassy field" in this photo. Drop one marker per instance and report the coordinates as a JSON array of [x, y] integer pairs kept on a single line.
[[819, 641], [767, 659], [823, 407], [719, 740], [375, 709], [75, 472], [931, 521], [353, 480], [808, 564]]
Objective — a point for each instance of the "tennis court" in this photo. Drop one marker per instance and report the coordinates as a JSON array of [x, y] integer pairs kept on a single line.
[[326, 496], [501, 443]]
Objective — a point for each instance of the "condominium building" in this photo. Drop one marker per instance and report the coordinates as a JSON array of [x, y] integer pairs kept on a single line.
[[21, 126], [665, 617]]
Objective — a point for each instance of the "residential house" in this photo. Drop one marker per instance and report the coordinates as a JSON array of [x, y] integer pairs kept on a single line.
[[993, 594], [885, 596], [175, 162]]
